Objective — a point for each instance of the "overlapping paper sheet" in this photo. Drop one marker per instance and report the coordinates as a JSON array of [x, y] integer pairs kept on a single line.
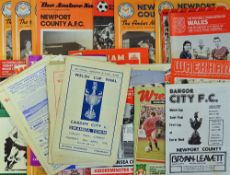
[[29, 109], [25, 98], [149, 129], [55, 73], [90, 111], [197, 129]]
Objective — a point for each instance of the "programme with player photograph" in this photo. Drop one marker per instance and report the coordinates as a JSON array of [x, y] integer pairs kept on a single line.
[[151, 132]]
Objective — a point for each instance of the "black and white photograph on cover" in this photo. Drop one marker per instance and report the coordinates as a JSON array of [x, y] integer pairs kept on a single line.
[[9, 51], [166, 53], [61, 42], [13, 149], [127, 143], [186, 50], [134, 39], [202, 51], [103, 33], [25, 44], [208, 46]]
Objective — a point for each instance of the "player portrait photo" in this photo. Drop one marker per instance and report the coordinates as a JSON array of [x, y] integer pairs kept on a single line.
[[9, 52], [205, 47], [202, 51], [25, 44], [103, 33], [220, 52], [151, 132], [186, 51]]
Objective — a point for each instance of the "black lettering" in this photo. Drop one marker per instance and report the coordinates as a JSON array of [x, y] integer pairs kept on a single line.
[[45, 4]]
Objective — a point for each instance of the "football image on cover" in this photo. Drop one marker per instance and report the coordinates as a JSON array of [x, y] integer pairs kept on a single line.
[[12, 148], [5, 31], [165, 40], [22, 28], [61, 26], [103, 24], [135, 25], [200, 35], [149, 129], [174, 4]]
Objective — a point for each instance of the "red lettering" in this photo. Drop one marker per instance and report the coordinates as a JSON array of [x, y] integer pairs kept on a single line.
[[146, 95]]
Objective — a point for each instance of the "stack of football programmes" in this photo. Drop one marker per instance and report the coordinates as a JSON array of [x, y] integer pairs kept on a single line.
[[114, 87]]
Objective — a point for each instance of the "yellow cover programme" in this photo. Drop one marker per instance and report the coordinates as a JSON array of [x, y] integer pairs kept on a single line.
[[135, 25], [5, 30], [22, 28]]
